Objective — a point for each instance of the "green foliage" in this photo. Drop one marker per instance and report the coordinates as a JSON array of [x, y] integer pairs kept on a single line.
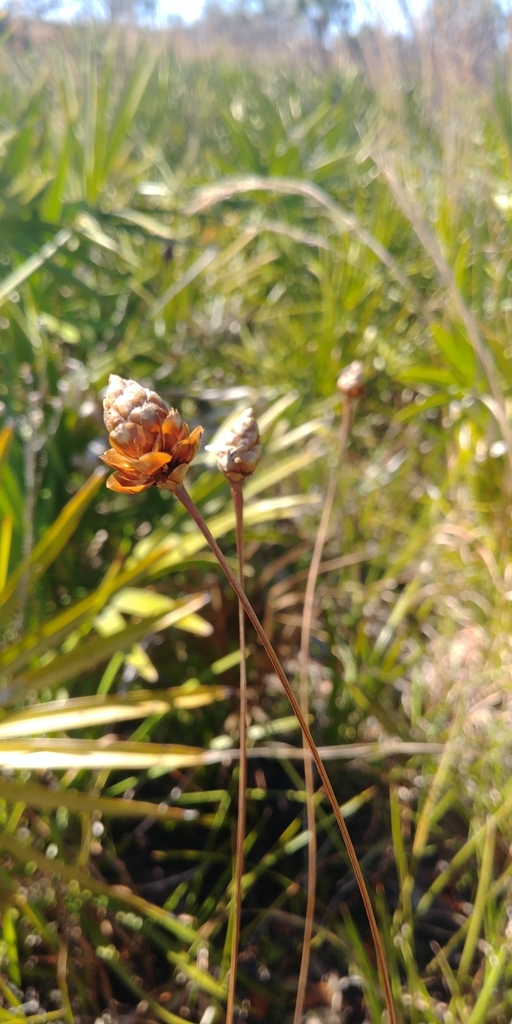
[[236, 237]]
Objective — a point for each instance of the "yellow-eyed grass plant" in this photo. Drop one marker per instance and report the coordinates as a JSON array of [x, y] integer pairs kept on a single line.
[[238, 453], [349, 385], [152, 446]]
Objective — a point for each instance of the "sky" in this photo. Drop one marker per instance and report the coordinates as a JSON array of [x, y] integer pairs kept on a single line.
[[364, 10]]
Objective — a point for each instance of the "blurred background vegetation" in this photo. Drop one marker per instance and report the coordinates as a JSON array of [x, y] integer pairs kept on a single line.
[[231, 213]]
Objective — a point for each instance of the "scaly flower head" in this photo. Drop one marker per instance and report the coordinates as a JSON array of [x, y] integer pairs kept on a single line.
[[151, 445], [350, 381], [238, 450]]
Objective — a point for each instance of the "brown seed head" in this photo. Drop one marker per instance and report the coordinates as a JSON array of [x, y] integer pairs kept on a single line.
[[350, 380], [151, 445], [238, 450]]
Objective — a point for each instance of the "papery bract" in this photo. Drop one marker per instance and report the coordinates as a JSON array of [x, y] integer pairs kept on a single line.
[[238, 450], [151, 444]]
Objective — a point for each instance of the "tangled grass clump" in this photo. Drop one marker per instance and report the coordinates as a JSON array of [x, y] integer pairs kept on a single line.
[[234, 237]]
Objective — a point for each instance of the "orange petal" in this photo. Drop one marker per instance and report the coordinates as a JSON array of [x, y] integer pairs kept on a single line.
[[114, 484], [173, 430], [147, 465], [185, 450], [115, 460], [196, 435], [152, 462]]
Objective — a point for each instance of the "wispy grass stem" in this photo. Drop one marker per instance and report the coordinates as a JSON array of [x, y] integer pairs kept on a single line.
[[238, 504], [305, 639], [183, 496]]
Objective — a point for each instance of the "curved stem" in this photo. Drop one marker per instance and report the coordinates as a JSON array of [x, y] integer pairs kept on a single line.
[[238, 504], [305, 639], [187, 502]]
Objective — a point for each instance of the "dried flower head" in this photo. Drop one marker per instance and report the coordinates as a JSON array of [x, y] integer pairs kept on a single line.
[[350, 380], [238, 450], [150, 442]]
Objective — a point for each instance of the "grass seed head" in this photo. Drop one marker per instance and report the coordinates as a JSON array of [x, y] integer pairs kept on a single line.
[[238, 450], [151, 445]]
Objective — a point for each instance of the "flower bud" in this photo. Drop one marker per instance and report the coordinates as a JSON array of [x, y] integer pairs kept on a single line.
[[350, 380], [238, 450], [133, 416], [151, 445]]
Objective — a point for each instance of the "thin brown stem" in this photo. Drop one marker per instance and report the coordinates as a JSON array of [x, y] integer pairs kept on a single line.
[[305, 639], [187, 502], [238, 504]]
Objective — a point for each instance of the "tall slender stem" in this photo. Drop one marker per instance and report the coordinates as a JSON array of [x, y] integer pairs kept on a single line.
[[238, 504], [305, 639], [189, 505]]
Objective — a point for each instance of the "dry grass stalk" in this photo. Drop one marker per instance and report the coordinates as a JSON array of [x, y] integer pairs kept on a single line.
[[350, 387], [238, 453]]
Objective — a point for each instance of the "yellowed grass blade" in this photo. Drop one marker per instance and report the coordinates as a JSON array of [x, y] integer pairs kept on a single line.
[[135, 601], [78, 803], [94, 754], [83, 712], [56, 536], [5, 548], [67, 666]]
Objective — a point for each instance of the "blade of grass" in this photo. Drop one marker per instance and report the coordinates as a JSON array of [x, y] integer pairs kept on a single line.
[[484, 884], [209, 195], [62, 980], [5, 548], [119, 895], [431, 245], [18, 276], [56, 537], [50, 799], [487, 995], [92, 653], [427, 812], [9, 917], [84, 712]]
